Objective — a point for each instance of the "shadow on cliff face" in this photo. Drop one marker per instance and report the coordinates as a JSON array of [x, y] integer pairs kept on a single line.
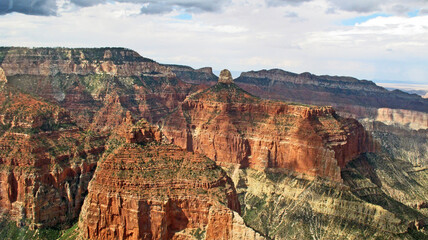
[[360, 168], [176, 220], [12, 188]]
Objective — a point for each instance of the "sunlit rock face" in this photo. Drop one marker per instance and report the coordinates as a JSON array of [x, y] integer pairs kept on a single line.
[[3, 78], [97, 86], [230, 125], [46, 162], [146, 189], [225, 77]]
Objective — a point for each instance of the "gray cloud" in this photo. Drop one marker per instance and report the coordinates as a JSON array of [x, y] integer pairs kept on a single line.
[[49, 7], [275, 3], [360, 6], [291, 15], [191, 6], [390, 6], [87, 3], [423, 12], [400, 9], [30, 7]]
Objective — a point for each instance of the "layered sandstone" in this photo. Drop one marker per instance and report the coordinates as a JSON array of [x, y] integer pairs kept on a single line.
[[144, 189], [46, 162], [283, 206], [84, 61], [327, 90], [98, 86], [203, 76], [229, 125], [415, 120]]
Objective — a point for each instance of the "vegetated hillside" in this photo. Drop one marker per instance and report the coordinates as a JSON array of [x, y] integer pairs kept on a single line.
[[81, 106]]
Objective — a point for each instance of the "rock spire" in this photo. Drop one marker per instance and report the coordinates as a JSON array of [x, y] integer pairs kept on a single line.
[[225, 77], [2, 75]]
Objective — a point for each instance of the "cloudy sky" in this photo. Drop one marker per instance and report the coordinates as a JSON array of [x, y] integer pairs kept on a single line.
[[379, 40]]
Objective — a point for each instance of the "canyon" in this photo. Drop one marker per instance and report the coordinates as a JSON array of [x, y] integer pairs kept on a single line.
[[146, 189], [228, 124], [384, 113], [118, 146]]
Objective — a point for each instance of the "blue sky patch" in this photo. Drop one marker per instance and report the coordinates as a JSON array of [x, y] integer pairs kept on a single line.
[[184, 16], [413, 13], [361, 19]]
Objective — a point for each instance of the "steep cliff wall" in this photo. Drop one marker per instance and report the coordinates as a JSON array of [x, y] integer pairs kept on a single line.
[[84, 61], [197, 76], [144, 189], [97, 86], [327, 90], [46, 162], [229, 125]]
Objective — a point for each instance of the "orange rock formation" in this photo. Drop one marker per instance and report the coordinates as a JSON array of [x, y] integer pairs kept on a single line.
[[145, 189], [46, 163], [228, 124]]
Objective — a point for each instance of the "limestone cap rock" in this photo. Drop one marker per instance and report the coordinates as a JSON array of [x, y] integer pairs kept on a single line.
[[2, 76], [225, 77]]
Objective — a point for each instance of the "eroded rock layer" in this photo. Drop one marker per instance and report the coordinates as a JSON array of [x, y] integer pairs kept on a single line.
[[197, 76], [229, 125], [97, 86], [46, 162], [144, 189], [282, 206]]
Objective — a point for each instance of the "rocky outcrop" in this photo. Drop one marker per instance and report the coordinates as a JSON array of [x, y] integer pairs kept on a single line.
[[327, 90], [412, 119], [225, 224], [84, 61], [144, 189], [350, 96], [203, 76], [46, 162], [225, 77], [98, 86], [3, 78], [229, 125]]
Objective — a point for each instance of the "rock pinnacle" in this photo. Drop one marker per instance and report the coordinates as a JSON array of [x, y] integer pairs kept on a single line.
[[225, 77], [2, 76]]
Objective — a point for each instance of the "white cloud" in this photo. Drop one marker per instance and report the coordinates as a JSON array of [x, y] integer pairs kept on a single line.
[[244, 35]]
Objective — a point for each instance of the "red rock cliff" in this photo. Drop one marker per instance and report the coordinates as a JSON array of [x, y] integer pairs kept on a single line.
[[46, 163], [229, 125], [144, 189], [97, 86]]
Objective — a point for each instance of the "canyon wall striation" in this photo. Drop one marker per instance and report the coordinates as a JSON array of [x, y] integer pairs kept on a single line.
[[146, 189], [230, 125]]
